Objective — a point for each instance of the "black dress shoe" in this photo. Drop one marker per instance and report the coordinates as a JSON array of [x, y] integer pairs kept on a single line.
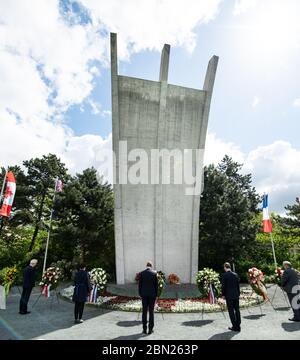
[[150, 331], [234, 329], [145, 331], [24, 313]]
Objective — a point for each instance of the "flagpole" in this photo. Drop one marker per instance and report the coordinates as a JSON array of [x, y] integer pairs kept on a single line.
[[50, 226], [273, 250], [3, 185]]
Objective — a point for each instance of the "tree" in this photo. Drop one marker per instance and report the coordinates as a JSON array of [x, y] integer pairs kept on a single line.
[[41, 175], [291, 222], [290, 231], [84, 226], [228, 206], [260, 254]]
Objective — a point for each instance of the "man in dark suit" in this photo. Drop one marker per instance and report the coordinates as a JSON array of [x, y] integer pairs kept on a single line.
[[82, 288], [28, 285], [231, 292], [290, 284], [148, 290]]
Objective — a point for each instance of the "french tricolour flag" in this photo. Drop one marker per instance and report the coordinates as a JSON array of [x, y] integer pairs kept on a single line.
[[266, 218], [211, 295]]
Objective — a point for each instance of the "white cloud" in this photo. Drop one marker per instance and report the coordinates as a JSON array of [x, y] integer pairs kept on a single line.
[[22, 92], [216, 149], [45, 57], [275, 168], [296, 103], [270, 32], [48, 63], [241, 6], [256, 101], [58, 54], [49, 60], [96, 108], [86, 151], [144, 24], [24, 140]]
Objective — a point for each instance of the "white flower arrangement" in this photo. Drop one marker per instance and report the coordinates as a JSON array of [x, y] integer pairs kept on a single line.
[[98, 277], [207, 277], [247, 298]]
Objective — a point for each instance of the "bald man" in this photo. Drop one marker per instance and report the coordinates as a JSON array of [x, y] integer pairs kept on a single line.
[[28, 285], [290, 284]]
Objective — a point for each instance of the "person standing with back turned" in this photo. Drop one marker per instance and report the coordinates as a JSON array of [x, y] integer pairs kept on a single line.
[[290, 284], [231, 292], [28, 285], [148, 290], [81, 291]]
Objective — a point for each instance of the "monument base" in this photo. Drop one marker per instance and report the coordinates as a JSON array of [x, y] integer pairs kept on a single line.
[[181, 291]]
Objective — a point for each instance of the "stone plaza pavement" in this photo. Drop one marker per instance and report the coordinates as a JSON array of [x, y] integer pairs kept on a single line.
[[55, 321]]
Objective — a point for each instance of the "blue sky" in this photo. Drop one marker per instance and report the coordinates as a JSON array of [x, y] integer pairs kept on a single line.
[[54, 65], [240, 81]]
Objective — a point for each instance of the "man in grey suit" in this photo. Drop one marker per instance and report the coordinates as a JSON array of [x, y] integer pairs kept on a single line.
[[290, 284], [148, 290]]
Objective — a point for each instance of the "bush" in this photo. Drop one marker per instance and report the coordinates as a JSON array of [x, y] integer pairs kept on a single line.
[[8, 277]]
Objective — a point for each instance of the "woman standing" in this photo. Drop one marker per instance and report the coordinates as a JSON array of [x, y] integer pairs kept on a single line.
[[81, 291]]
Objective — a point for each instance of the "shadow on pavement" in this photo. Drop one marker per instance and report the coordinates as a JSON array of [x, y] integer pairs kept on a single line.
[[129, 323], [228, 335], [291, 327], [131, 337], [43, 318], [254, 317], [197, 323]]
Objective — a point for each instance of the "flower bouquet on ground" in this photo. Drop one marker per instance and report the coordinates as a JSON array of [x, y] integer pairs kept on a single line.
[[98, 277], [208, 282], [173, 279], [161, 282], [50, 280], [8, 277], [257, 282]]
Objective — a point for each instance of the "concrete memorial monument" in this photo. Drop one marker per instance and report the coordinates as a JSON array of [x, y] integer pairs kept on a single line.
[[156, 208]]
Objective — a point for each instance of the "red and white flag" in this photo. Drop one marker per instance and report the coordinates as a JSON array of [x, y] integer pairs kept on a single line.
[[267, 225], [9, 195]]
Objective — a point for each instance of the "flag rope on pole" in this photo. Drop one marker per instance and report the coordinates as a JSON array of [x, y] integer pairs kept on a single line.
[[57, 187], [3, 185]]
